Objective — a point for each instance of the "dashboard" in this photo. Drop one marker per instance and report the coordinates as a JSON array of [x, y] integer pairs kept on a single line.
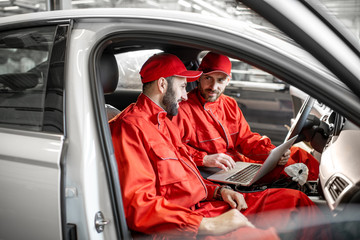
[[338, 142]]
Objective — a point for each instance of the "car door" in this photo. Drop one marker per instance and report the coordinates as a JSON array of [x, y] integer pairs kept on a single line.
[[31, 132]]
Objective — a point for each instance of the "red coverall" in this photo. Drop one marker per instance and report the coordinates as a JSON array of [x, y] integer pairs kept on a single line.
[[163, 191], [220, 127]]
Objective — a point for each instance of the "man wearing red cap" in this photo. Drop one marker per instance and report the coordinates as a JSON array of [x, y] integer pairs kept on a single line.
[[213, 124], [163, 192]]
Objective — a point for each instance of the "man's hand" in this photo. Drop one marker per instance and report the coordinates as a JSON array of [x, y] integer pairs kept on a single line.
[[234, 199], [219, 160], [284, 159], [224, 223]]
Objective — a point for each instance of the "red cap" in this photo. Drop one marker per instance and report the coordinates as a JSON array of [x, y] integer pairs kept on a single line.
[[214, 62], [166, 65]]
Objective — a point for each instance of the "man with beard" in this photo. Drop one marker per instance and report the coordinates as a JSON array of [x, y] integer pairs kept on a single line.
[[216, 131], [162, 190]]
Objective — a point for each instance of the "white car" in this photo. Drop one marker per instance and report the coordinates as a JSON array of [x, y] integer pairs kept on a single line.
[[58, 70]]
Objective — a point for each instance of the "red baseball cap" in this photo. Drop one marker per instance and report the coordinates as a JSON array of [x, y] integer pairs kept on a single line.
[[166, 65], [214, 62]]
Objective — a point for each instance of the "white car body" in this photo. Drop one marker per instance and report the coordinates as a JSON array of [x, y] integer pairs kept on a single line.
[[53, 185]]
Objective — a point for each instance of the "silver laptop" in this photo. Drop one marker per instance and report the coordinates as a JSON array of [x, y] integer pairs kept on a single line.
[[246, 174]]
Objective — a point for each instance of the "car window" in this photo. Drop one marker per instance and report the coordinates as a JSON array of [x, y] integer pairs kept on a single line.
[[25, 102], [264, 99], [247, 75], [129, 66]]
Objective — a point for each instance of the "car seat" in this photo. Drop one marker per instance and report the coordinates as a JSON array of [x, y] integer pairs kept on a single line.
[[109, 77]]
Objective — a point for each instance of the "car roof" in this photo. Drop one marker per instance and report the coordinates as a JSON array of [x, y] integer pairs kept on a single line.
[[93, 13], [245, 29]]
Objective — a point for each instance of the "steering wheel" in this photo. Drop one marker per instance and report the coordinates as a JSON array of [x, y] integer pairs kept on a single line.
[[300, 118]]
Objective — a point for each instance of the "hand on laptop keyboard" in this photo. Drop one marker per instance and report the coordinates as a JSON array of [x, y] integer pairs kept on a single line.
[[219, 160]]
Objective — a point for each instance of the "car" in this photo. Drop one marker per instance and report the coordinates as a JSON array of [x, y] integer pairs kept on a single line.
[[60, 71]]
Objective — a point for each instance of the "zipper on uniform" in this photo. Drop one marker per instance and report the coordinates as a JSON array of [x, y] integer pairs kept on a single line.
[[227, 139]]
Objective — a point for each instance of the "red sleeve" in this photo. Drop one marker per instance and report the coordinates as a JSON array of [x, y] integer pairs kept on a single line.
[[211, 187], [196, 155], [251, 144], [145, 210]]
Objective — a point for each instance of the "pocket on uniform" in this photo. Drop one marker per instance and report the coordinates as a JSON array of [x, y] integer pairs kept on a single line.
[[170, 169], [212, 143]]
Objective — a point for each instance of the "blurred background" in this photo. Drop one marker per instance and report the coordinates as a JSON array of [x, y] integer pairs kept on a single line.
[[348, 11]]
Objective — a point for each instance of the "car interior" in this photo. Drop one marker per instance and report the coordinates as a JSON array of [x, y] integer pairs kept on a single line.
[[318, 129]]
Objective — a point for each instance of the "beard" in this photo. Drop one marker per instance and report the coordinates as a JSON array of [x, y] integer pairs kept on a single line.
[[170, 102], [205, 94]]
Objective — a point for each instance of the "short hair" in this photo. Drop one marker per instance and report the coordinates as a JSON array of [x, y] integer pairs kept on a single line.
[[170, 79], [147, 85]]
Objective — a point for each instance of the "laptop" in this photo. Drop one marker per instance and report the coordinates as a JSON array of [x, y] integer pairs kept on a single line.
[[245, 174]]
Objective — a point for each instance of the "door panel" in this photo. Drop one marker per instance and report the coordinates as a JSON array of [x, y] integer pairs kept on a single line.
[[31, 132], [30, 185]]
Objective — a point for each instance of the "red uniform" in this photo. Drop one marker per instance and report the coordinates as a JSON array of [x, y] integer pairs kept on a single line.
[[220, 127], [163, 191]]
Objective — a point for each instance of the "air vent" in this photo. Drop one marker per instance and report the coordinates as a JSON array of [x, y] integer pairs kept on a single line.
[[337, 186]]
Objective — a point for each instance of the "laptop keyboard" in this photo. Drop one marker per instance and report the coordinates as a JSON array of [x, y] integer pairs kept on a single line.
[[245, 174]]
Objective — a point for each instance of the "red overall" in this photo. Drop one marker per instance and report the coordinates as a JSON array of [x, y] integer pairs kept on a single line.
[[220, 127], [163, 191]]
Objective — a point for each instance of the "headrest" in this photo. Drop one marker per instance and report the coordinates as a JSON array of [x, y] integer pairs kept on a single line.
[[19, 81], [109, 72]]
